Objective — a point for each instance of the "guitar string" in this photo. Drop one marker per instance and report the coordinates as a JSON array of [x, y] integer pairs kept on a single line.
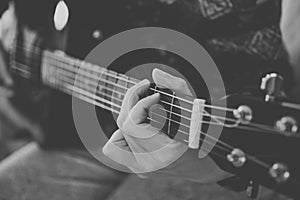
[[235, 125], [119, 106], [204, 122], [167, 119], [113, 98], [71, 83], [222, 156], [212, 116], [227, 119], [80, 62], [109, 102], [241, 126], [134, 82], [81, 80], [217, 145]]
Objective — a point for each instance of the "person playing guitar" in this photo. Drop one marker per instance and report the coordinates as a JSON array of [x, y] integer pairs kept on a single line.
[[131, 123]]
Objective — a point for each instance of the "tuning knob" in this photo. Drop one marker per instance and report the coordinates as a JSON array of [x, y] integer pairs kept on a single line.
[[279, 172], [287, 124], [272, 84], [237, 157], [244, 114]]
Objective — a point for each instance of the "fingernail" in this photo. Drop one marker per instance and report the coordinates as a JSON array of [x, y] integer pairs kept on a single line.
[[145, 81], [156, 95]]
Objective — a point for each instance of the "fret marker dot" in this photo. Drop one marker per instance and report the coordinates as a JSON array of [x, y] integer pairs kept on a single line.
[[97, 34]]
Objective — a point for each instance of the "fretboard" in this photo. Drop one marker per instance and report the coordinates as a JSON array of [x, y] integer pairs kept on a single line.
[[89, 82], [105, 88]]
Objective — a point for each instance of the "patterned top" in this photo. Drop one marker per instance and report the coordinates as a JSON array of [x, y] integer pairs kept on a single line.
[[246, 28]]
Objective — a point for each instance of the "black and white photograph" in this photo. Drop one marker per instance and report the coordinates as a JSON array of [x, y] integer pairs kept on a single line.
[[149, 99]]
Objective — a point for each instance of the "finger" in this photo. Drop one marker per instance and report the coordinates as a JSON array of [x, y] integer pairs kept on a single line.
[[132, 96], [166, 80]]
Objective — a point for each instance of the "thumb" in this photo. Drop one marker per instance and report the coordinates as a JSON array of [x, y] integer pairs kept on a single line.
[[131, 98]]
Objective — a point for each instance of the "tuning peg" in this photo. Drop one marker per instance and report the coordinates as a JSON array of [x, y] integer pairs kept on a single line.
[[244, 114], [287, 124], [272, 84], [237, 157], [279, 172]]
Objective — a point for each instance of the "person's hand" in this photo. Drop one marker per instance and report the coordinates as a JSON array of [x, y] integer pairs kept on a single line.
[[142, 148]]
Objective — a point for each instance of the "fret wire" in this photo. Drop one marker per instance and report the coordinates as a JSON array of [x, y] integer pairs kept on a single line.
[[73, 87], [103, 70], [96, 78], [80, 79], [170, 115]]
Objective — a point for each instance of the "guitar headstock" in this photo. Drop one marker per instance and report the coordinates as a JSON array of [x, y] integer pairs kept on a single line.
[[265, 138]]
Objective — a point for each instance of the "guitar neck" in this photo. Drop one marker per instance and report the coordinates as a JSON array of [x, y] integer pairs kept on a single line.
[[106, 89], [89, 82]]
